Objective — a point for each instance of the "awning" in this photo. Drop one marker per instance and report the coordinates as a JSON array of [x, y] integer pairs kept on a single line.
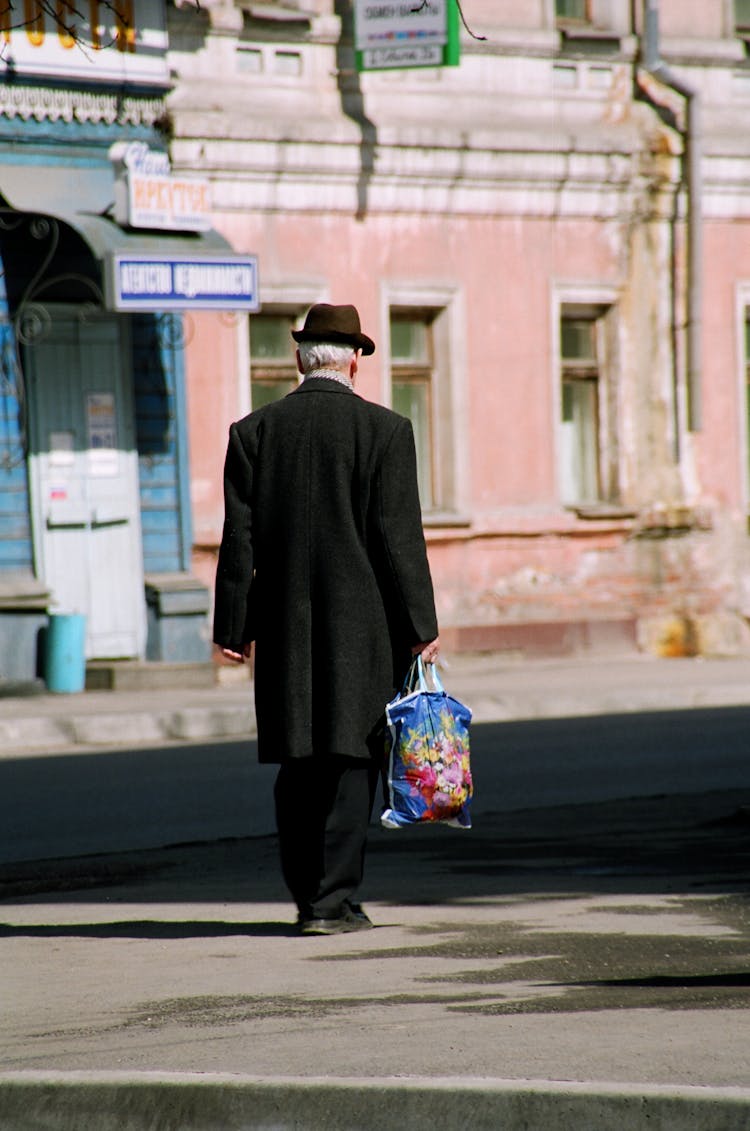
[[80, 196], [141, 270]]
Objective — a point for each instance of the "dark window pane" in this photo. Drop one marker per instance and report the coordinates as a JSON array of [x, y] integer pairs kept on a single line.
[[579, 442], [270, 337], [409, 340], [577, 340], [263, 392], [571, 9], [412, 399], [742, 13], [747, 394]]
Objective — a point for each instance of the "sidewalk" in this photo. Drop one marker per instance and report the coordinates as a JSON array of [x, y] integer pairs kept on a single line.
[[495, 687], [578, 968]]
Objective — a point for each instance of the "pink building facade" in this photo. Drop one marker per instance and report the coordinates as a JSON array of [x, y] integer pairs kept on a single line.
[[550, 245]]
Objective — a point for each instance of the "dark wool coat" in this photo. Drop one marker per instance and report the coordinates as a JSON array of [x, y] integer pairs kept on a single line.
[[322, 516]]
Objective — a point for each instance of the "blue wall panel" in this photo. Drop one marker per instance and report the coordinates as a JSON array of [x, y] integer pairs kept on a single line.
[[159, 399], [15, 531]]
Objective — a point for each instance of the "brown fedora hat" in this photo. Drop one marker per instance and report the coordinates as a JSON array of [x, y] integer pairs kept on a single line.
[[336, 324]]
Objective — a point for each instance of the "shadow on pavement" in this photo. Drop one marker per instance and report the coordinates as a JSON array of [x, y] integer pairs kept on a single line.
[[678, 981], [157, 929], [530, 912], [683, 844]]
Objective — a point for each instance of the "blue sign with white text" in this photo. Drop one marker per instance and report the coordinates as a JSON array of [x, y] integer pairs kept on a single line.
[[207, 282]]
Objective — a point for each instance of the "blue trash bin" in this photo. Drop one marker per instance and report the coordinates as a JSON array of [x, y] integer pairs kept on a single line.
[[65, 652]]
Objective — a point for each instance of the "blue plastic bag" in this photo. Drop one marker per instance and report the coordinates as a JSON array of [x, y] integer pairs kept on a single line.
[[427, 746]]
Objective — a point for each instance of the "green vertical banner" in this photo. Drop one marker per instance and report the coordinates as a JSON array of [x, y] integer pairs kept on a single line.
[[452, 53], [397, 34]]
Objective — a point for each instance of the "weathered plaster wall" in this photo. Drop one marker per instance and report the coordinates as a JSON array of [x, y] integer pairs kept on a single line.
[[524, 177]]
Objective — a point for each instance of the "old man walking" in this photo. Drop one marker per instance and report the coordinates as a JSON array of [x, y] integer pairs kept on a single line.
[[323, 565]]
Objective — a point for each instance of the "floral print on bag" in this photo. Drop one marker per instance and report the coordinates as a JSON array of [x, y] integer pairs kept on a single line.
[[427, 747]]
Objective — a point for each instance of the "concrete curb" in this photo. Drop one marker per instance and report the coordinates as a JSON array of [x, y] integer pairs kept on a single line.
[[121, 1101], [495, 690], [186, 724], [35, 735], [577, 704], [30, 735]]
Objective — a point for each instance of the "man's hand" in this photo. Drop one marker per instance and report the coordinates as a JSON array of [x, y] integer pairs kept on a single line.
[[429, 651], [237, 657]]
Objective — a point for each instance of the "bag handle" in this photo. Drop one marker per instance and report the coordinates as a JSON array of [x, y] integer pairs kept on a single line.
[[429, 671], [419, 677]]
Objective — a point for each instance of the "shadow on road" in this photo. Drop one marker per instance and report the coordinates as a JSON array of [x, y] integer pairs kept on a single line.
[[640, 803], [156, 929], [682, 844]]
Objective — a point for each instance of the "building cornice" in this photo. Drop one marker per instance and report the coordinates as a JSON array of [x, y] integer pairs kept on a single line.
[[53, 104]]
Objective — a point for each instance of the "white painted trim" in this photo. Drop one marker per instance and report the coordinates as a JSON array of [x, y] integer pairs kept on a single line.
[[452, 386], [566, 293], [595, 294], [741, 312], [301, 294]]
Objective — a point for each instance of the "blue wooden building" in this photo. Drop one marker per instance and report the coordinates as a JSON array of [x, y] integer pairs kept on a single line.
[[94, 462]]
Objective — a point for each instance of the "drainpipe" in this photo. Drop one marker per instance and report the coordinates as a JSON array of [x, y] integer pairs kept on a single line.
[[693, 142]]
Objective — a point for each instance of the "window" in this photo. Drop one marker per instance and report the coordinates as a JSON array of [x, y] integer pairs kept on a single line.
[[426, 379], [742, 15], [287, 63], [587, 449], [249, 60], [747, 398], [572, 11], [743, 350], [412, 389], [273, 369]]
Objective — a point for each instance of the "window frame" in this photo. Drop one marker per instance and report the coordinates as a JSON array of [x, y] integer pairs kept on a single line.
[[742, 320], [745, 415], [585, 372], [566, 21], [606, 22], [598, 304], [451, 457], [741, 27], [420, 373], [272, 370], [293, 297]]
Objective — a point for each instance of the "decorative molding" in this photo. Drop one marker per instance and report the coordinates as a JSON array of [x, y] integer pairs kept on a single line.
[[245, 175], [48, 104]]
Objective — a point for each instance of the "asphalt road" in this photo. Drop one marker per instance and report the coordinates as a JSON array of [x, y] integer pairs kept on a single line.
[[603, 942], [67, 805]]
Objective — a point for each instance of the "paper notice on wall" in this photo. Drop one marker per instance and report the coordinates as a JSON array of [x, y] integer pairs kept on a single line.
[[61, 451], [101, 425]]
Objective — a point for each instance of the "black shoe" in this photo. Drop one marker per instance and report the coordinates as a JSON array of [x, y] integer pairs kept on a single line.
[[357, 911], [352, 918]]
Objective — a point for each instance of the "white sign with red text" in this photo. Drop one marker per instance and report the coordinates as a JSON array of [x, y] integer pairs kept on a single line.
[[147, 195]]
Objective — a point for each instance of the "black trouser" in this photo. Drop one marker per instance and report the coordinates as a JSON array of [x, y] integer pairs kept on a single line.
[[323, 808]]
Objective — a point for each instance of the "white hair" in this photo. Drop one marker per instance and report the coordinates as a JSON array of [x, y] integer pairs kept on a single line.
[[322, 355]]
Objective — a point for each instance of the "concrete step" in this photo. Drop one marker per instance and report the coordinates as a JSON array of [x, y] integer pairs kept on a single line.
[[147, 675]]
